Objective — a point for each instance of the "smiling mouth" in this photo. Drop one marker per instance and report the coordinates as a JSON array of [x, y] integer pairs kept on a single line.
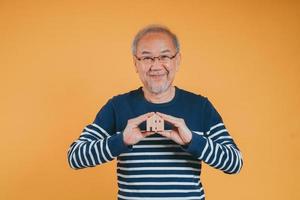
[[157, 76]]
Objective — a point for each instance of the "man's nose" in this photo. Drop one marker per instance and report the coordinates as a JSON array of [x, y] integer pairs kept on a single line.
[[156, 64]]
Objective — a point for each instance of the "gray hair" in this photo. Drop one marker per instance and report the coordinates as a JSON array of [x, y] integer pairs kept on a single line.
[[154, 28]]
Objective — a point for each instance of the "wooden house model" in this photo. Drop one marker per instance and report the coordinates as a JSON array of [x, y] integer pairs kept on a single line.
[[155, 123]]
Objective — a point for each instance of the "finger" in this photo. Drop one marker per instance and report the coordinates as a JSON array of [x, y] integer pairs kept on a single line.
[[166, 134], [169, 117], [173, 120], [138, 120], [147, 133], [172, 135]]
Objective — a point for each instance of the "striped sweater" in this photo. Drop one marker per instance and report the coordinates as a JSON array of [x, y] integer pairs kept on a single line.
[[156, 168]]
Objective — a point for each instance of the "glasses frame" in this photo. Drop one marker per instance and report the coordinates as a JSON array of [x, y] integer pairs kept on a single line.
[[154, 57]]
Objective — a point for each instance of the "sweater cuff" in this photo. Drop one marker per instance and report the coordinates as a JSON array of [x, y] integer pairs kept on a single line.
[[196, 146], [117, 145]]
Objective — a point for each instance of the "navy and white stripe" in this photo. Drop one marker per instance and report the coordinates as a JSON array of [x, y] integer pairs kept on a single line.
[[219, 150], [157, 168], [90, 149]]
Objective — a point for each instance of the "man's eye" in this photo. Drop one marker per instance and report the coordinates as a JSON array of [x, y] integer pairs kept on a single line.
[[147, 58], [164, 57]]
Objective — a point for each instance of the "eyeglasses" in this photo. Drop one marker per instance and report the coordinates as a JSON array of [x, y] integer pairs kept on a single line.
[[148, 60]]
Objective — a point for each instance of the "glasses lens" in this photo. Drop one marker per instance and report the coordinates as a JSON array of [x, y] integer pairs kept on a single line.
[[164, 59], [147, 60]]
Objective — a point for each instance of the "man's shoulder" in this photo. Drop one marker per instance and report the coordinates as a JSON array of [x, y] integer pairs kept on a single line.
[[193, 96], [125, 96]]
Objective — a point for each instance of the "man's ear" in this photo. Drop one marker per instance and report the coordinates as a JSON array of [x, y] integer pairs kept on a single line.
[[178, 61], [135, 64]]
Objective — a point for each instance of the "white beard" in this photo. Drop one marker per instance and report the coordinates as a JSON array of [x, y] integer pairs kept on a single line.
[[159, 89]]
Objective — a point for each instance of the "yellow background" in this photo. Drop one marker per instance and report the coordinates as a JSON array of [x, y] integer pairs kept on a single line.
[[62, 60]]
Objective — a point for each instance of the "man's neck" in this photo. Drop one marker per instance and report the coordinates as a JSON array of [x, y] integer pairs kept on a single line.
[[163, 97]]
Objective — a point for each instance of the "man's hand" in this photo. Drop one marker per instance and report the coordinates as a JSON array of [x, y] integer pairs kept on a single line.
[[132, 133], [180, 134]]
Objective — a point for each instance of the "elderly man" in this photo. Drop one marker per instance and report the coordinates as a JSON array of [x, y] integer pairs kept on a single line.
[[164, 164]]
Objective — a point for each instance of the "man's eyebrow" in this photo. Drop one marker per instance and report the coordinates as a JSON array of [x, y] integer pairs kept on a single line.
[[146, 52], [165, 51]]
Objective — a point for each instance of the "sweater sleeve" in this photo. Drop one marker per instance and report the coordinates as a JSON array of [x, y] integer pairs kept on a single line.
[[215, 146], [98, 143]]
